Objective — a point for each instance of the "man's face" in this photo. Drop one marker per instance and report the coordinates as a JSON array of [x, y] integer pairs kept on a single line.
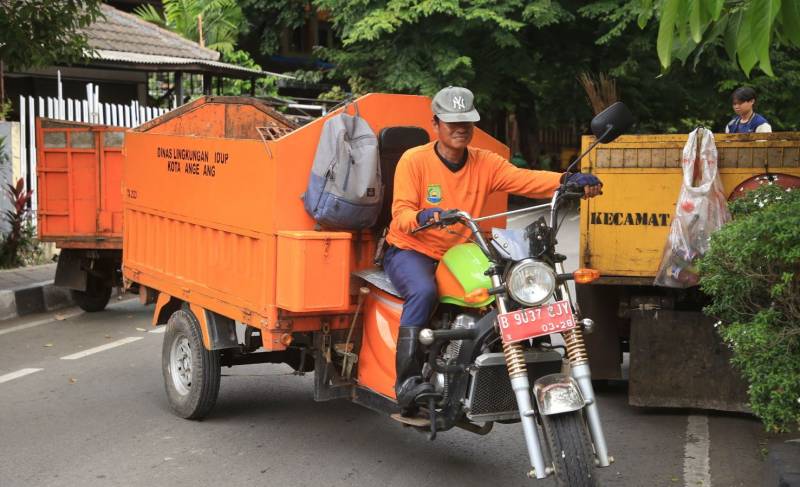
[[743, 107], [455, 135]]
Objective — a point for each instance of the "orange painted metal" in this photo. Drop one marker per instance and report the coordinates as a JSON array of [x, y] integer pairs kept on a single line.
[[161, 301], [203, 214], [447, 283], [200, 314], [79, 170], [231, 117], [376, 368], [313, 271]]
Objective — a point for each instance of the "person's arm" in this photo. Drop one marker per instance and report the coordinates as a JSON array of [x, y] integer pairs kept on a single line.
[[764, 128], [405, 203], [525, 182]]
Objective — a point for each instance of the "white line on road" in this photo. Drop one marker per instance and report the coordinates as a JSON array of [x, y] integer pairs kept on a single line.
[[160, 329], [101, 348], [45, 321], [17, 374], [696, 468]]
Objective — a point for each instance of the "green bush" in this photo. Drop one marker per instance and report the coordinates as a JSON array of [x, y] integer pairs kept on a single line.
[[752, 274]]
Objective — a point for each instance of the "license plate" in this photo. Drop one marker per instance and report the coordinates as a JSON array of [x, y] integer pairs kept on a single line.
[[533, 322]]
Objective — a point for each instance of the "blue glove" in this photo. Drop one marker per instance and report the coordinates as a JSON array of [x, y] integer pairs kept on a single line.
[[427, 214], [583, 179]]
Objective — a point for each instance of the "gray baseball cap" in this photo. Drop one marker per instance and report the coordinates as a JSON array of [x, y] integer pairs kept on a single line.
[[455, 104]]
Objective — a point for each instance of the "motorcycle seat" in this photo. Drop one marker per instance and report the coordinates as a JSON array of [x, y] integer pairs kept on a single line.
[[378, 278]]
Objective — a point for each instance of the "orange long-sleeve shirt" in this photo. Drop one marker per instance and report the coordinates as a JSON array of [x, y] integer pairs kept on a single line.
[[423, 181]]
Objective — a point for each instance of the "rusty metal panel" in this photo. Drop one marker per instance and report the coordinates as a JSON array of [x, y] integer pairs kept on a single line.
[[677, 360]]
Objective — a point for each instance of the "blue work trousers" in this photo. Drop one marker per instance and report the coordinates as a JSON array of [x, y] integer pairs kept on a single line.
[[412, 273]]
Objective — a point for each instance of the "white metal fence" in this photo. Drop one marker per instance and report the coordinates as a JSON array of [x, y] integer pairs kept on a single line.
[[90, 110]]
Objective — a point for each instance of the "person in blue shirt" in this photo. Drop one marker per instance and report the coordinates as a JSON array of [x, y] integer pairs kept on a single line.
[[746, 120]]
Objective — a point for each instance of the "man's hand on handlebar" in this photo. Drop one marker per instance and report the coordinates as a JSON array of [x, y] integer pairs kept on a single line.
[[589, 183], [430, 217]]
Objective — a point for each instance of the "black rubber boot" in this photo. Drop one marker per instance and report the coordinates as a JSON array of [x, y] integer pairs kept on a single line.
[[408, 363]]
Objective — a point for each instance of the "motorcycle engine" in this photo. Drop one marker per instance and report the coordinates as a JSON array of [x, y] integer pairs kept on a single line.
[[440, 381]]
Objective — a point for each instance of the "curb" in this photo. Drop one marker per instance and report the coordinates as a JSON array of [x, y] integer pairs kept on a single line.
[[37, 298], [783, 465]]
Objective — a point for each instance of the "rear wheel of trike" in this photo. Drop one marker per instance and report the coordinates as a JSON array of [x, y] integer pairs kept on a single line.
[[95, 297], [570, 449], [191, 373]]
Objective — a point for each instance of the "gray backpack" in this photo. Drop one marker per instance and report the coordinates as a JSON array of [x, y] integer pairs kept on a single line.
[[344, 189]]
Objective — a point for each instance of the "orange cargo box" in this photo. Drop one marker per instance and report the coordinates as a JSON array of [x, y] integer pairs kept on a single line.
[[304, 258], [79, 174], [213, 215]]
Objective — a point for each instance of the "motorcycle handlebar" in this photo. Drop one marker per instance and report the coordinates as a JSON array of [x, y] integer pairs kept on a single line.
[[447, 217]]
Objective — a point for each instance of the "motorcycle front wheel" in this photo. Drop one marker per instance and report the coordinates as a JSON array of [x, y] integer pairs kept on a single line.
[[570, 449]]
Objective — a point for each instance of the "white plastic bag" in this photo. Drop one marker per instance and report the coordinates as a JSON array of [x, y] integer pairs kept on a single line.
[[700, 211]]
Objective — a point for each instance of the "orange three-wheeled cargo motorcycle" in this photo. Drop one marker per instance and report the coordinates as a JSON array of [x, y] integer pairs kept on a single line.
[[215, 234]]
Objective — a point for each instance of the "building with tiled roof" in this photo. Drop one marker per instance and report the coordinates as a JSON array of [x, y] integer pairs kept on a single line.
[[126, 49]]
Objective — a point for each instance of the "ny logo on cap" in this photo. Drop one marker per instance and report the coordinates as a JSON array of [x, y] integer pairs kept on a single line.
[[458, 103]]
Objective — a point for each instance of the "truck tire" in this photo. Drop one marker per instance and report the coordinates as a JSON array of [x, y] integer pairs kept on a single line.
[[570, 449], [96, 296], [191, 373]]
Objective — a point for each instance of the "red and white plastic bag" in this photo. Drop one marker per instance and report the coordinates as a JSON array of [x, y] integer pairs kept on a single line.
[[699, 212]]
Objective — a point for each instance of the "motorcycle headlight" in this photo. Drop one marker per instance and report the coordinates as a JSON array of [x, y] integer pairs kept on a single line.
[[531, 283]]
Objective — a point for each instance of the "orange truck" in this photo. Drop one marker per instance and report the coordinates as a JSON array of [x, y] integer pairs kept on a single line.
[[80, 206], [214, 224], [80, 199], [216, 235]]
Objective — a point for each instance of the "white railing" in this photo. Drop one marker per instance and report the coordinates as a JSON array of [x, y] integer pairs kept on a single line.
[[90, 110]]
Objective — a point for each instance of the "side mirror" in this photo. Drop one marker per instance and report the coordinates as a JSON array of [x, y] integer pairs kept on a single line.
[[612, 122]]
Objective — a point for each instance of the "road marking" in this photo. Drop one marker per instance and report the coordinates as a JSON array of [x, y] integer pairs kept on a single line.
[[696, 468], [45, 321], [101, 348], [160, 329], [18, 374]]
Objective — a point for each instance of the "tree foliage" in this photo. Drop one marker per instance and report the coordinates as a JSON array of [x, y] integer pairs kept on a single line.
[[524, 57], [752, 273], [36, 33], [269, 18], [747, 29], [222, 21]]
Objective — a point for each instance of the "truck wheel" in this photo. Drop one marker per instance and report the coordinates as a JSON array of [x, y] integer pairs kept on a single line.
[[570, 449], [191, 373], [96, 296]]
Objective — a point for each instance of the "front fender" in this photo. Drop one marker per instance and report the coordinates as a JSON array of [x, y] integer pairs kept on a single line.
[[556, 394]]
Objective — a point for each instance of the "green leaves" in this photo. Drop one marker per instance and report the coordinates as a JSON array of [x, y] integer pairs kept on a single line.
[[752, 28], [790, 21], [758, 21], [666, 30], [752, 274], [36, 33], [222, 21]]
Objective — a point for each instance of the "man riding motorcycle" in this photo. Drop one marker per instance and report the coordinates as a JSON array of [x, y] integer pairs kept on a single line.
[[446, 173]]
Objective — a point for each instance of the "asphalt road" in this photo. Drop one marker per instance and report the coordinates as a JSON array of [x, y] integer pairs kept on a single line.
[[101, 419]]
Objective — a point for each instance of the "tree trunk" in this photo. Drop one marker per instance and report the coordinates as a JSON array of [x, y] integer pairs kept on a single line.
[[2, 88], [528, 126]]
